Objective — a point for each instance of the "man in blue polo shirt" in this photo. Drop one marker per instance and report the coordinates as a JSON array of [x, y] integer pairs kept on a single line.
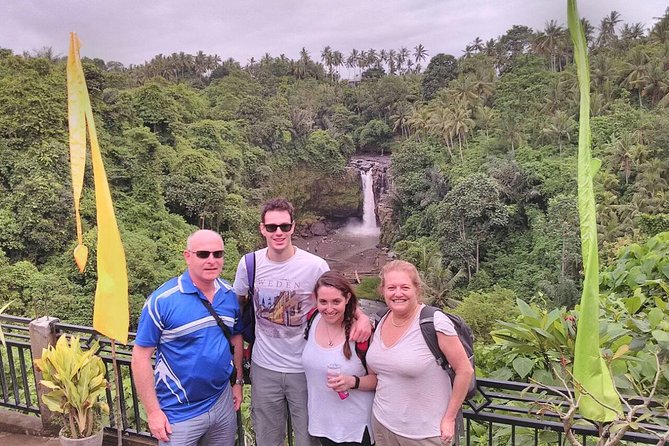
[[187, 393]]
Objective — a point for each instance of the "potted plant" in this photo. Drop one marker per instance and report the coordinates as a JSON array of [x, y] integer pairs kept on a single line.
[[76, 379]]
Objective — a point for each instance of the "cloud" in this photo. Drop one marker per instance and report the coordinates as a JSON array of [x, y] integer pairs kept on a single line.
[[132, 32]]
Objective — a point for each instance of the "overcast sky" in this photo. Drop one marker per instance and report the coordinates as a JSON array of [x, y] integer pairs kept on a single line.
[[133, 31]]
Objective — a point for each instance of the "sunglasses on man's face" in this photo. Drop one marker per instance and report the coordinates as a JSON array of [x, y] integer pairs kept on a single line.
[[206, 254], [285, 227]]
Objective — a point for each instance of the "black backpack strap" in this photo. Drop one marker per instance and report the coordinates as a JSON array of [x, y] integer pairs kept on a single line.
[[311, 315], [379, 315], [224, 328], [430, 335], [361, 350], [250, 261]]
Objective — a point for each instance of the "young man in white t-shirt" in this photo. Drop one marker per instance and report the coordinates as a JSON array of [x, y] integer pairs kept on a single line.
[[284, 281]]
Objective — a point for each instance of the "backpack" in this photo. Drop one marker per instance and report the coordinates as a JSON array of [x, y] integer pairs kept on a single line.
[[248, 317], [360, 347], [248, 310], [429, 333]]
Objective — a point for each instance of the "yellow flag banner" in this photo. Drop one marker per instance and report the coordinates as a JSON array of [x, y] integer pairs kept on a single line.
[[601, 402], [110, 314]]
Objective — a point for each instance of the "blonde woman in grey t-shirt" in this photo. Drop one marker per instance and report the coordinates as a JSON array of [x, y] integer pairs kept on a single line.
[[415, 403]]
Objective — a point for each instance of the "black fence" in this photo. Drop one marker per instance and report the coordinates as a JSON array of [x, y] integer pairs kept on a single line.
[[503, 413]]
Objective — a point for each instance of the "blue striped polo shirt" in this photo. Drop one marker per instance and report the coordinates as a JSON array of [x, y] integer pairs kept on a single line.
[[193, 362]]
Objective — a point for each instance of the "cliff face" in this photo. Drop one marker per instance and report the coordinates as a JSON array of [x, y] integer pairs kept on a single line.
[[337, 197]]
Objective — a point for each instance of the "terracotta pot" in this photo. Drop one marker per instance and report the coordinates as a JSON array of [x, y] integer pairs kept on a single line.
[[93, 440]]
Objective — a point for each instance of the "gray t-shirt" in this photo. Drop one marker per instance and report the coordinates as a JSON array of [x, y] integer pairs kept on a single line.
[[412, 392], [282, 299]]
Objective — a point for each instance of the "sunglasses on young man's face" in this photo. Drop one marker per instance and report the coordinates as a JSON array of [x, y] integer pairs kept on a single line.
[[271, 227], [206, 254]]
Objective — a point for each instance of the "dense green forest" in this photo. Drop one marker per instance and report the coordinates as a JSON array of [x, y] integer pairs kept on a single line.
[[483, 193]]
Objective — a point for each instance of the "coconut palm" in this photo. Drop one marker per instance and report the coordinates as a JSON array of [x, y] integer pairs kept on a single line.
[[485, 118], [419, 53], [464, 90], [559, 127], [440, 122], [627, 151], [400, 119], [352, 60], [607, 29], [637, 78], [549, 42], [658, 82], [418, 122], [326, 58], [462, 124], [511, 130]]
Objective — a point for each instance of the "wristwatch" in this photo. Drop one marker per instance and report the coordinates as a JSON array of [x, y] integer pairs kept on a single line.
[[239, 381], [357, 382]]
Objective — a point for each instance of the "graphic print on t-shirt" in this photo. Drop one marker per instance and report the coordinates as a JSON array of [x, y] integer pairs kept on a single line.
[[280, 304]]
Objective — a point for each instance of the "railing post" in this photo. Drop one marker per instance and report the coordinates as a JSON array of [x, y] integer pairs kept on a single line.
[[43, 334]]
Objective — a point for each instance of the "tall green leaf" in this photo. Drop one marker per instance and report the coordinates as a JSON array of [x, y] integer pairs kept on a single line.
[[590, 370]]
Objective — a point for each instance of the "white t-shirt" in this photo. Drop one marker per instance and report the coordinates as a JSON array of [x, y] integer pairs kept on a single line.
[[282, 299], [341, 421], [412, 392]]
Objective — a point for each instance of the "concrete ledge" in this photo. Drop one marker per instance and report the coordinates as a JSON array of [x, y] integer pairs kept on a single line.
[[19, 423], [13, 422], [110, 439]]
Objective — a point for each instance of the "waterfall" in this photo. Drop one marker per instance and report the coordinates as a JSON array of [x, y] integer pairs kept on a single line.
[[368, 205], [368, 227]]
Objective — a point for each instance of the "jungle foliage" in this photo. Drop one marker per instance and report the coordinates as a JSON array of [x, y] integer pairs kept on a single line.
[[483, 171]]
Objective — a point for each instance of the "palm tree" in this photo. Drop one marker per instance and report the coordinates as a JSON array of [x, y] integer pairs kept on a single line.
[[462, 124], [419, 53], [477, 45], [607, 29], [402, 56], [418, 121], [637, 79], [400, 119], [511, 130], [440, 121], [337, 60], [373, 58], [660, 32], [551, 41], [328, 61], [352, 60], [559, 127], [485, 118], [362, 61], [627, 151], [392, 59], [439, 279], [463, 89], [588, 30], [658, 82], [631, 32]]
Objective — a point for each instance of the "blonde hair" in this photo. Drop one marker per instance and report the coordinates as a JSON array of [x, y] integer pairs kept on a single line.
[[405, 267]]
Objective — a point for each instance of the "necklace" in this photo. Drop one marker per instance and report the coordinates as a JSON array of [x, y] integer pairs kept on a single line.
[[330, 340], [395, 324]]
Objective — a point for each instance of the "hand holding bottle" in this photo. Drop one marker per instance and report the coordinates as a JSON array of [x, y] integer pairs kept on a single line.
[[333, 376]]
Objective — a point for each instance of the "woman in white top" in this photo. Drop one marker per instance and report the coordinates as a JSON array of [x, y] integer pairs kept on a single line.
[[339, 407], [415, 403]]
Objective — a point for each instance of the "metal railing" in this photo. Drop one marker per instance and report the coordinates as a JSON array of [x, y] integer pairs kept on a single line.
[[503, 412], [17, 378], [506, 412]]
